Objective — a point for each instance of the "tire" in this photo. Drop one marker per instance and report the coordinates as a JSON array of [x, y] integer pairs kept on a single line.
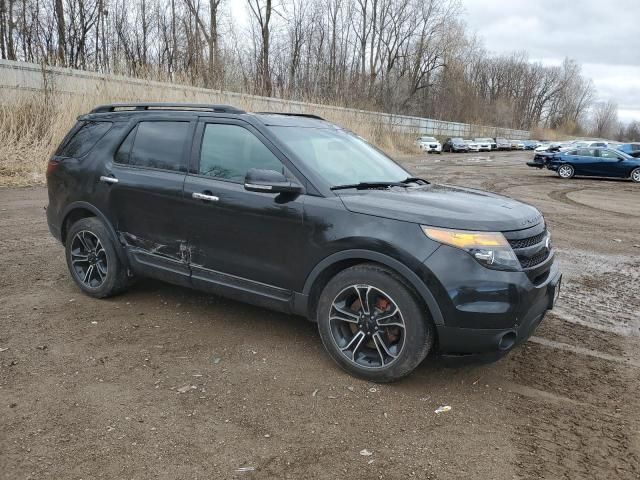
[[635, 175], [360, 343], [566, 171], [88, 244]]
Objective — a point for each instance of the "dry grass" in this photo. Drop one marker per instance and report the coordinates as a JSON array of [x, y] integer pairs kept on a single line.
[[32, 124]]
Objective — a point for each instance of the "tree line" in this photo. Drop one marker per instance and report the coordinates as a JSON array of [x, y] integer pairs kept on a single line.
[[400, 56]]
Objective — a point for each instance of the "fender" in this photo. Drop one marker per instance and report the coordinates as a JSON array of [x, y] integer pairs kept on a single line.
[[81, 205], [390, 262]]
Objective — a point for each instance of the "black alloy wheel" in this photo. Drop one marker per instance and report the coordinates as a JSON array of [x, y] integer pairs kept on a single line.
[[367, 326], [89, 259]]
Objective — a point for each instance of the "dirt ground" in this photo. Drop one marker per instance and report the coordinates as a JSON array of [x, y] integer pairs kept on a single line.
[[91, 388]]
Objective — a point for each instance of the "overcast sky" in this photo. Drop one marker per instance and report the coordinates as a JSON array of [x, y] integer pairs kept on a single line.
[[604, 36]]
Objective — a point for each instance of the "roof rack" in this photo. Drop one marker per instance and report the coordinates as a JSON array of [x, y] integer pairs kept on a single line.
[[114, 107], [305, 115]]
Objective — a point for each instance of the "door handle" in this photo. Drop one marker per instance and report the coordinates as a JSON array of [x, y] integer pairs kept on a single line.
[[107, 179], [205, 197]]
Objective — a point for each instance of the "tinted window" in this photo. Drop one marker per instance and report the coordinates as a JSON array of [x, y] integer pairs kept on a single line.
[[156, 145], [228, 151], [84, 139], [122, 155]]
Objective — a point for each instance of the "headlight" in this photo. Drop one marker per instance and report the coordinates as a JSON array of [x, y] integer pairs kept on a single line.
[[491, 249]]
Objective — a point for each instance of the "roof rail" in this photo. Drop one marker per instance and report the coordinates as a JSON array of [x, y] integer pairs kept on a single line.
[[305, 115], [114, 107]]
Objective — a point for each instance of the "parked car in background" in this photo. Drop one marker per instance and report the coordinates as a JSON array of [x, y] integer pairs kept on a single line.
[[543, 147], [531, 144], [473, 146], [485, 144], [503, 144], [429, 144], [591, 144], [455, 144], [517, 145], [596, 162], [629, 147]]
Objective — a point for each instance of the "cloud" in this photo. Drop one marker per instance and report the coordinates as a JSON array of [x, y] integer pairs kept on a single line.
[[603, 36]]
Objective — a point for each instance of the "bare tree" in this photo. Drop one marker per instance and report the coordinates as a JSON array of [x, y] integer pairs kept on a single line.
[[605, 119], [262, 11]]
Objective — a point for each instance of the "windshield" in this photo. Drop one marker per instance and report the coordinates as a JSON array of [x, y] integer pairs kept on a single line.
[[484, 140], [428, 139], [339, 157]]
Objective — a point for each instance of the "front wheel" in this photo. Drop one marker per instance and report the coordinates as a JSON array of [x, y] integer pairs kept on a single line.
[[372, 324], [565, 171], [635, 175]]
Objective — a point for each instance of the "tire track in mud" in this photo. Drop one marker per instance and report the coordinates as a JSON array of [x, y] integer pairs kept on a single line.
[[561, 196]]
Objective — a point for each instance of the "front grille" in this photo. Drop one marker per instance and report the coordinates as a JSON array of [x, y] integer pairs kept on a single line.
[[530, 250], [537, 259], [527, 242]]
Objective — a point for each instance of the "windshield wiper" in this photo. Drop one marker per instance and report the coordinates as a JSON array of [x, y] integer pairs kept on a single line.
[[415, 179], [369, 185]]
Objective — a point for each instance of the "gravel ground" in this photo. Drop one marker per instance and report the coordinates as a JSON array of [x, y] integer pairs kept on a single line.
[[164, 382]]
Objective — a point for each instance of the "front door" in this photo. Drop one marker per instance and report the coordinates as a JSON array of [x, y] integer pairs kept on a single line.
[[144, 191], [239, 239], [610, 164]]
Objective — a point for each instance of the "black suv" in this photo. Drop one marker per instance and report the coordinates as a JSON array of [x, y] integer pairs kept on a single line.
[[293, 213]]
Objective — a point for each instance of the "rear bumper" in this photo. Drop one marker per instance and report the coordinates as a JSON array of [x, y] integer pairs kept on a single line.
[[535, 164]]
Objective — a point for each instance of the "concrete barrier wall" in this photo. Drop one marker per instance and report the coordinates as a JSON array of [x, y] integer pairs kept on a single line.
[[25, 77]]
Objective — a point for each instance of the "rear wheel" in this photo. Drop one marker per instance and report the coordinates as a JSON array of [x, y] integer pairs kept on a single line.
[[372, 324], [635, 175], [92, 259], [565, 171]]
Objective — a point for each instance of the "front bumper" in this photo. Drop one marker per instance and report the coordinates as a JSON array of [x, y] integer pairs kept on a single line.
[[535, 164], [431, 148], [486, 312]]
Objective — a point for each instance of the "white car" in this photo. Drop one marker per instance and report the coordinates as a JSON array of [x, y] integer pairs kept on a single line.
[[484, 144], [473, 146], [543, 147], [429, 144], [517, 145]]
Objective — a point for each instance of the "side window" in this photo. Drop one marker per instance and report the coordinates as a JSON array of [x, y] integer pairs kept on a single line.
[[228, 151], [609, 155], [155, 145], [123, 153], [83, 140], [572, 152], [587, 152]]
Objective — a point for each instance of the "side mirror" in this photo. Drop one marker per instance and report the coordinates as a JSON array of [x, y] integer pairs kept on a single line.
[[269, 181]]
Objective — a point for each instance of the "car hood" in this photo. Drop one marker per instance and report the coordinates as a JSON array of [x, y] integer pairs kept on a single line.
[[444, 206]]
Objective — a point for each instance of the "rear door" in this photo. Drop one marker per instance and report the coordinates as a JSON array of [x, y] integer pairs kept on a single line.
[[240, 239], [145, 195], [585, 161]]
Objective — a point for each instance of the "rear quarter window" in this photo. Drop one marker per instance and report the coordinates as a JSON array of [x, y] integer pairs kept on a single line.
[[82, 139]]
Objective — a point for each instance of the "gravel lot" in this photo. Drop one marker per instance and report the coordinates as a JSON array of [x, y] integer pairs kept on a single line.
[[164, 382]]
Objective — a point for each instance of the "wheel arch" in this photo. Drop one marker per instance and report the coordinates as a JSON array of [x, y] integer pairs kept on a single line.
[[77, 211], [335, 263]]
